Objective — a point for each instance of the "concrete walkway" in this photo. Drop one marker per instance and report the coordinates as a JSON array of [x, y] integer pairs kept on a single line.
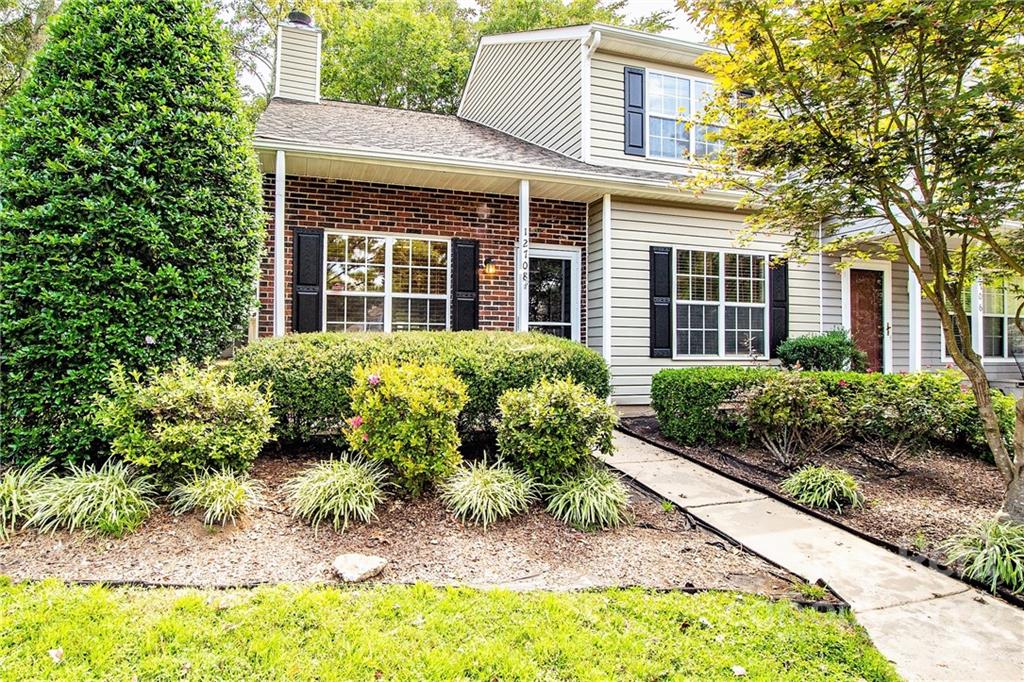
[[931, 626]]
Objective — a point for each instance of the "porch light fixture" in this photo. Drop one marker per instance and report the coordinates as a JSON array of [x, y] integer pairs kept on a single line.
[[489, 267]]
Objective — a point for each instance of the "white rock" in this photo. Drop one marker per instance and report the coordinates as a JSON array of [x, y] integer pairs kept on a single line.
[[355, 568]]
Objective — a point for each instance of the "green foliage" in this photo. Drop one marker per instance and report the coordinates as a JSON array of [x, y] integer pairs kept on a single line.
[[832, 351], [184, 420], [483, 493], [17, 487], [511, 16], [130, 213], [811, 591], [113, 499], [553, 427], [311, 373], [792, 416], [337, 491], [405, 416], [419, 632], [992, 552], [224, 495], [894, 420], [688, 401], [824, 488], [590, 499], [399, 53]]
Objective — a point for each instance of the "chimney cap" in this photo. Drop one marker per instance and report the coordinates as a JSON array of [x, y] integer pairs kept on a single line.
[[301, 18]]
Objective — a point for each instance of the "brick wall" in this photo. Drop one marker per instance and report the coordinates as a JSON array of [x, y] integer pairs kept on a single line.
[[492, 219]]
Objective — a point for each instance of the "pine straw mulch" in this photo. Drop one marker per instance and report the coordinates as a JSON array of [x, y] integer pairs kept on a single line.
[[936, 496], [421, 540]]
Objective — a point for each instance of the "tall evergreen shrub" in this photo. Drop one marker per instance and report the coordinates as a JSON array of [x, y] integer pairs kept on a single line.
[[130, 220]]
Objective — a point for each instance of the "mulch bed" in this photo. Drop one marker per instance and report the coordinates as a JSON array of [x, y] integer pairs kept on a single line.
[[421, 540], [938, 494]]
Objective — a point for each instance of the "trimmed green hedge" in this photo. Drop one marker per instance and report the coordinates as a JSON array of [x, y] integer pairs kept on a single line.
[[687, 402], [310, 374]]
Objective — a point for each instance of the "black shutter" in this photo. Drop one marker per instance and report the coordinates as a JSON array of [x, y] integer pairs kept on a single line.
[[633, 96], [778, 305], [465, 284], [309, 281], [661, 302]]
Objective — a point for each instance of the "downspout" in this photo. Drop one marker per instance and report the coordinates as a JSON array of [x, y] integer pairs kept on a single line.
[[606, 279], [587, 47], [821, 281], [914, 293]]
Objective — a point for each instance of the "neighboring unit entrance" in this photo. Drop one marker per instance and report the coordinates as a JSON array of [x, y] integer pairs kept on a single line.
[[554, 292], [867, 315]]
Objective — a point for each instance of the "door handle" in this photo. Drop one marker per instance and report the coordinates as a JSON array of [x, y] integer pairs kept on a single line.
[[888, 328]]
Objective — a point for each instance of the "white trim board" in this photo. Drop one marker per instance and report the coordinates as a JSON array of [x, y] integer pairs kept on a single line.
[[885, 267]]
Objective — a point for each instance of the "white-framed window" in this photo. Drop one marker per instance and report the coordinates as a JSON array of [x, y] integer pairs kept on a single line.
[[1000, 338], [720, 305], [674, 105], [385, 283]]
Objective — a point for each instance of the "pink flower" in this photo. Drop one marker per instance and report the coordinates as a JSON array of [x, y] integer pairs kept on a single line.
[[373, 379], [842, 383], [356, 421], [366, 437]]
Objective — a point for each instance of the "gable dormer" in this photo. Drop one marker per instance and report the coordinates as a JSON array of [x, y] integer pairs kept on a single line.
[[601, 94]]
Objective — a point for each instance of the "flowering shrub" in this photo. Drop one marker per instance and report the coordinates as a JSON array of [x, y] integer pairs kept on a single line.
[[405, 416], [185, 420], [551, 429], [792, 416]]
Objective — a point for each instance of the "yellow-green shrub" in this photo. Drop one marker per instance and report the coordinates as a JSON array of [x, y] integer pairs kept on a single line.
[[405, 415]]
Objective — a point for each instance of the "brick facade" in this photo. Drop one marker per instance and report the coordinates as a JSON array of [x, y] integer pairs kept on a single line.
[[492, 219]]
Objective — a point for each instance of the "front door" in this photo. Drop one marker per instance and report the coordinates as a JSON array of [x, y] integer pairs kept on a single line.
[[867, 315], [553, 286]]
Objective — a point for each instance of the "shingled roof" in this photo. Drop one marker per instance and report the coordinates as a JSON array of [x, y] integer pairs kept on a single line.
[[346, 125]]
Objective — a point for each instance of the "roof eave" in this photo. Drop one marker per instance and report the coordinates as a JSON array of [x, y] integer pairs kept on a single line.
[[598, 181]]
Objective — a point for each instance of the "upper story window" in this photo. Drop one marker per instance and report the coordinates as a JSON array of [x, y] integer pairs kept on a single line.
[[386, 283], [674, 103]]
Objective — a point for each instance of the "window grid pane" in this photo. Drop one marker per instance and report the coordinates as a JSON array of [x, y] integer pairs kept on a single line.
[[356, 268], [696, 329], [696, 276], [744, 278], [744, 330], [993, 336]]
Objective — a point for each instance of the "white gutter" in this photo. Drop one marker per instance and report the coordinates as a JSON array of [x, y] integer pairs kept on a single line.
[[496, 168]]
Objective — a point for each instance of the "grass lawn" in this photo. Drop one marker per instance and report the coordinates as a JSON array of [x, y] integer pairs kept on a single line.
[[418, 632]]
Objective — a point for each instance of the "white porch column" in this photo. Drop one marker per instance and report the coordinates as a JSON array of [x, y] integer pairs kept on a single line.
[[606, 278], [914, 294], [279, 173], [977, 321], [522, 287]]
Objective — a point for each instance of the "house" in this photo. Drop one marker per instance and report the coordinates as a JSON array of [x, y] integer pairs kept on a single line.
[[548, 202]]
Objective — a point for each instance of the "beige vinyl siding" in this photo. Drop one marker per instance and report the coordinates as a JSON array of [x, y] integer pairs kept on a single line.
[[298, 67], [607, 130], [531, 90], [635, 228], [595, 283]]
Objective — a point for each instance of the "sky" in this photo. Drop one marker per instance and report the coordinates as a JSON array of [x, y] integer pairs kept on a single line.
[[683, 29]]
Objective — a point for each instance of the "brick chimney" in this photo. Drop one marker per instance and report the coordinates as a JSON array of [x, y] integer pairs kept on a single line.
[[297, 66]]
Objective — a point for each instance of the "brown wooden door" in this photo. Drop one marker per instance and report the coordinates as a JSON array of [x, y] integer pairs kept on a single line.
[[866, 318]]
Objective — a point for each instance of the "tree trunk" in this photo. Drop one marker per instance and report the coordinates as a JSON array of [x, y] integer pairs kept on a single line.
[[989, 420], [1013, 504]]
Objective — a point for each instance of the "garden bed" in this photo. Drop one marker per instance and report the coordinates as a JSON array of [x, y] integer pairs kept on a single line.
[[421, 540], [938, 494]]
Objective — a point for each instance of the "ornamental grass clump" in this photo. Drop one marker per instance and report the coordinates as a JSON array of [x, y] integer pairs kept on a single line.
[[405, 416], [484, 493], [113, 499], [824, 488], [17, 487], [992, 553], [337, 492], [223, 495], [591, 499], [552, 428]]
